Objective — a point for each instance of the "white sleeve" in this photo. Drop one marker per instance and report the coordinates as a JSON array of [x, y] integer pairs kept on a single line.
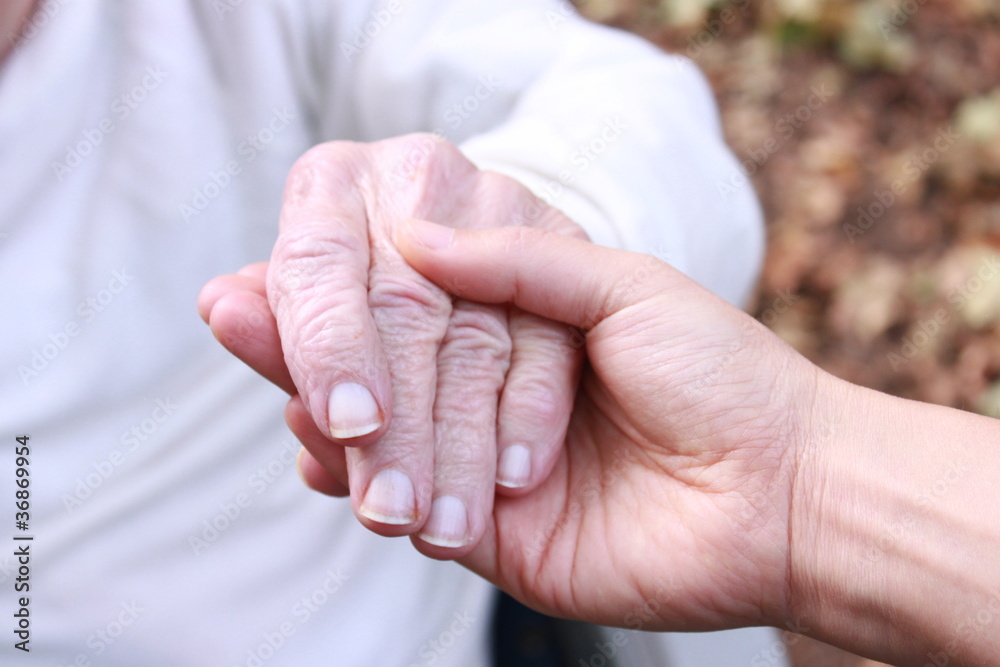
[[623, 138]]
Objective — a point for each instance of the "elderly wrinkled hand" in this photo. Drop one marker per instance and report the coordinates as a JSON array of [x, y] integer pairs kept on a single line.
[[423, 405]]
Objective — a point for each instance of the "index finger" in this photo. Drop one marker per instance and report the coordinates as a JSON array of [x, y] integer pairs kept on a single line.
[[317, 286]]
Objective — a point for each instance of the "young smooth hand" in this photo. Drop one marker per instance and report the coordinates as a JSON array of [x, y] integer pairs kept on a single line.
[[674, 489], [712, 477]]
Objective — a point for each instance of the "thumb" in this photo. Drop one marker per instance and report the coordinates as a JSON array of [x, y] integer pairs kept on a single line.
[[558, 277]]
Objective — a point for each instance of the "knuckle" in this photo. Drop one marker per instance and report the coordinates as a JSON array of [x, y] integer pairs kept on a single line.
[[317, 341], [431, 148], [464, 468], [477, 341], [532, 400], [314, 236], [543, 340], [517, 205], [305, 257], [328, 162], [464, 458], [325, 179], [464, 462], [416, 303], [526, 208], [428, 156]]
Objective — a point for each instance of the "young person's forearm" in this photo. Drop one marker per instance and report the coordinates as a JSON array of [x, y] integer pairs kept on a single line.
[[895, 533]]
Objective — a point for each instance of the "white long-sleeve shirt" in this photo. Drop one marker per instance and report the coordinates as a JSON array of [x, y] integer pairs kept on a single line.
[[143, 150]]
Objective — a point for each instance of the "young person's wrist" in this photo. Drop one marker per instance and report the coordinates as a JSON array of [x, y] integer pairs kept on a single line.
[[893, 502], [833, 521]]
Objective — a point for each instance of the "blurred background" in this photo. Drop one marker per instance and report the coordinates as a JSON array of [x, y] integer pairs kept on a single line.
[[871, 130]]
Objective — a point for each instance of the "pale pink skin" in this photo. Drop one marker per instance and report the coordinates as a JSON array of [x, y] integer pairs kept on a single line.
[[757, 488], [456, 383], [711, 477]]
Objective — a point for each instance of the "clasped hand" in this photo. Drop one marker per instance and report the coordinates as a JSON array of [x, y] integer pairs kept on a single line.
[[665, 482], [708, 477], [419, 405]]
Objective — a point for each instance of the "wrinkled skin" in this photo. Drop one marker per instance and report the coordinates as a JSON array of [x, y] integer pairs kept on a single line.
[[456, 383]]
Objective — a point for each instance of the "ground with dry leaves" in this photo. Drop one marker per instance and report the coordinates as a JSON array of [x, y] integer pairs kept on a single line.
[[871, 129]]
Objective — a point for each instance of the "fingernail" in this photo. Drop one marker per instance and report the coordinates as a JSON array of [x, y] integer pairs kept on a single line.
[[430, 235], [514, 467], [390, 499], [353, 411], [448, 524]]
